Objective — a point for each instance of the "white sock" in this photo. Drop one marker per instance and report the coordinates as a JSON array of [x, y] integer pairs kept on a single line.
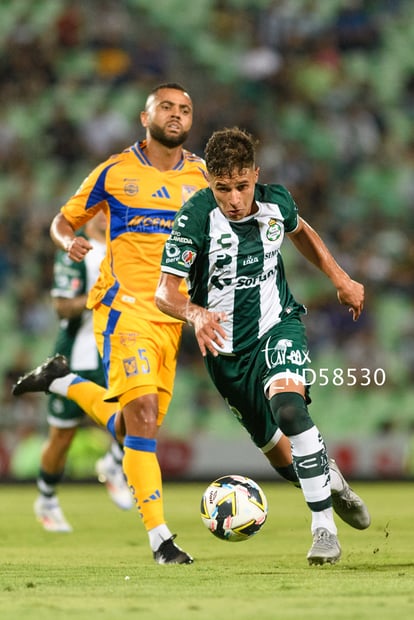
[[316, 488], [324, 519], [45, 489], [61, 384], [117, 452], [158, 535]]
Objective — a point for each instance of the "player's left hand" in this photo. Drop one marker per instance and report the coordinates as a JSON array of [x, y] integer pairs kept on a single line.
[[352, 294]]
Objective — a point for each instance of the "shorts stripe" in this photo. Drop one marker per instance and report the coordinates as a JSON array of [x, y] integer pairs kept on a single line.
[[287, 375], [59, 423], [113, 318], [110, 295], [273, 441]]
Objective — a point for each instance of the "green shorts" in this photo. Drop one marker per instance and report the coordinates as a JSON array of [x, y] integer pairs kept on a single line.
[[64, 413], [243, 379]]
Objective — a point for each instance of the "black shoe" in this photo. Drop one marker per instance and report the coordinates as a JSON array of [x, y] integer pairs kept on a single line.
[[169, 553], [39, 379]]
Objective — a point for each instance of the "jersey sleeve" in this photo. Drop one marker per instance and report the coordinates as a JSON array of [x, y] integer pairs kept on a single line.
[[278, 194], [292, 216], [89, 198]]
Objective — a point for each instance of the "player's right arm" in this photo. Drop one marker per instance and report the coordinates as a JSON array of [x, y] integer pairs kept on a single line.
[[64, 237], [179, 255], [206, 324], [80, 208]]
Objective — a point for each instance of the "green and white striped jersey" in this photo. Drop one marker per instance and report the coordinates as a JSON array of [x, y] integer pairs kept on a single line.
[[76, 338], [235, 267]]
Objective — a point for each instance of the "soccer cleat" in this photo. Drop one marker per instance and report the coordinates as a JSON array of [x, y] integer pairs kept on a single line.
[[111, 474], [325, 548], [169, 553], [50, 514], [348, 505], [39, 379]]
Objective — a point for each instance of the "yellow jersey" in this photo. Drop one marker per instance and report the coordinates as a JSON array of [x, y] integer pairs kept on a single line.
[[140, 203]]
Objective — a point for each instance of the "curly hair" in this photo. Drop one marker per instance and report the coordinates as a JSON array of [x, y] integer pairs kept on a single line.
[[229, 150]]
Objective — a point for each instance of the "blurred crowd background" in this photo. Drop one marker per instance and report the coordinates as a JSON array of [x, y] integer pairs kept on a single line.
[[327, 88]]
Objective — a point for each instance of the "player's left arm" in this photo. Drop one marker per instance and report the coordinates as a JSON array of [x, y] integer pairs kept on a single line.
[[171, 301], [309, 243]]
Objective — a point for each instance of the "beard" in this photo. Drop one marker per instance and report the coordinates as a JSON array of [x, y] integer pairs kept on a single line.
[[158, 134]]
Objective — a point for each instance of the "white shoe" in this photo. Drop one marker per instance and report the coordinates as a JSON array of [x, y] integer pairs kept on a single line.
[[325, 548], [50, 514], [111, 474]]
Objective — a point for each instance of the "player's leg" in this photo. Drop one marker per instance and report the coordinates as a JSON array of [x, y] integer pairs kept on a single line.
[[88, 393], [89, 396], [346, 503], [281, 362], [144, 387], [82, 393], [240, 380], [311, 464], [279, 454], [63, 419], [140, 460], [282, 359], [109, 469], [54, 376]]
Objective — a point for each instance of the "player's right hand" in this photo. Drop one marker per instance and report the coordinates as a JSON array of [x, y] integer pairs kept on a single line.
[[208, 330]]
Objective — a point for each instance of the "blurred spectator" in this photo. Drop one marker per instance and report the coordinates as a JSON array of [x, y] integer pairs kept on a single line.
[[355, 27], [105, 132], [63, 137], [69, 25]]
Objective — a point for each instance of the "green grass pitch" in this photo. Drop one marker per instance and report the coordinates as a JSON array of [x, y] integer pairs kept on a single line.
[[104, 569]]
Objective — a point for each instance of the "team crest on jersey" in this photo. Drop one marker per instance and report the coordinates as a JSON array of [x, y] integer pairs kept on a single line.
[[130, 366], [131, 187], [274, 231], [128, 339], [186, 192], [188, 257]]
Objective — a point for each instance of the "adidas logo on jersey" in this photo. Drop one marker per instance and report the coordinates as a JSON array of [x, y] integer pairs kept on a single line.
[[161, 193]]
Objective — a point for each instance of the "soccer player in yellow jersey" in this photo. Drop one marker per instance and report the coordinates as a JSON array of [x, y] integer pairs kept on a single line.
[[140, 190]]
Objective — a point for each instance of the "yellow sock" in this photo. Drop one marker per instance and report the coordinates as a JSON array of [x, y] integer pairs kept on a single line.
[[143, 473], [89, 397]]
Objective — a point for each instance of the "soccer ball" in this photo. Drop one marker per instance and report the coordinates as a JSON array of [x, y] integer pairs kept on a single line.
[[233, 508]]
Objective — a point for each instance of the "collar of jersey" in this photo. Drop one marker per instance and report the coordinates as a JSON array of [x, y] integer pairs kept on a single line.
[[138, 149]]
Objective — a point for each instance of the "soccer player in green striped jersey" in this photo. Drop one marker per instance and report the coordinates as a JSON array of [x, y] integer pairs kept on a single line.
[[226, 242]]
